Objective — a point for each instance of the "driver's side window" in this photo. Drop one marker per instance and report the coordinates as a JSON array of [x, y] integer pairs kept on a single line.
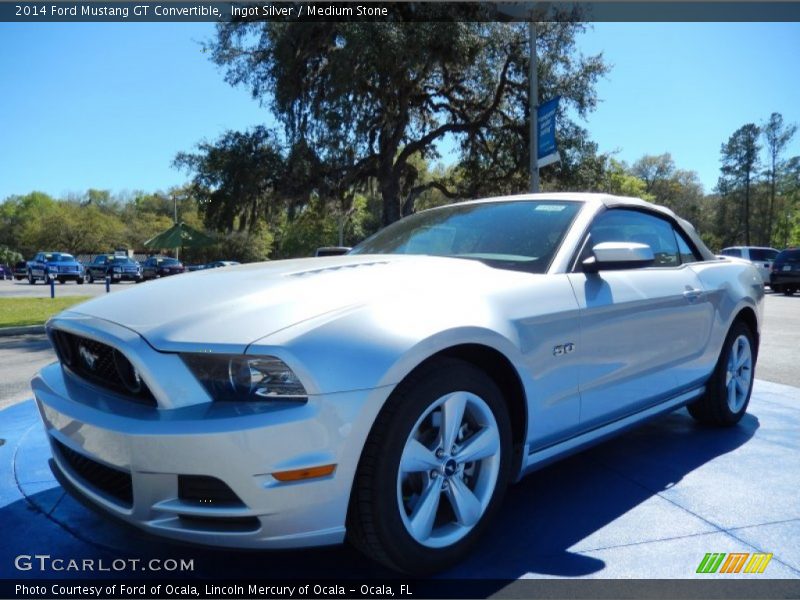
[[621, 225]]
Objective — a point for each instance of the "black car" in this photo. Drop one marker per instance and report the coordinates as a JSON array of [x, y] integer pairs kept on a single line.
[[161, 266], [21, 270], [117, 268], [785, 275]]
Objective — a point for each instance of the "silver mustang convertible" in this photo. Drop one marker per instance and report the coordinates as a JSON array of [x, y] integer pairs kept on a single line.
[[390, 395]]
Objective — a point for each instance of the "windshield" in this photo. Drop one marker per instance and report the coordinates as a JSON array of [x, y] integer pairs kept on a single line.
[[762, 254], [122, 261], [167, 261], [520, 235], [60, 257]]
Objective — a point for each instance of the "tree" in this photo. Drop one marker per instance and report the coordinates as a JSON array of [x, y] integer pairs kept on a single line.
[[776, 135], [236, 178], [670, 186], [739, 165], [368, 97]]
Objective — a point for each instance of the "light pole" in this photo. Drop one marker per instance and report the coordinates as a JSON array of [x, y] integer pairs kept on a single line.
[[533, 99]]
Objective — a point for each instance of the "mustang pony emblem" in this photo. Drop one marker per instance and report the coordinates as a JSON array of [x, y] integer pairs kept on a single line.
[[88, 358]]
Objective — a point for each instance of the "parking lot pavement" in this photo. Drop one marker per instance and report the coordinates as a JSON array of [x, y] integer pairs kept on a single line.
[[21, 357], [649, 504], [23, 289], [780, 340]]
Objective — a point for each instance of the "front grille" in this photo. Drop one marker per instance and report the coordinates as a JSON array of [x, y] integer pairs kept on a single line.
[[101, 364], [112, 482], [206, 490]]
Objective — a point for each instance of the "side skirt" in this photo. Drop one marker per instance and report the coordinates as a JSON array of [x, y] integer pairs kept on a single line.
[[536, 460]]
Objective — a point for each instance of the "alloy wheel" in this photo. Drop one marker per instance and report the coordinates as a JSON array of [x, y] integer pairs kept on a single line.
[[739, 374], [448, 469]]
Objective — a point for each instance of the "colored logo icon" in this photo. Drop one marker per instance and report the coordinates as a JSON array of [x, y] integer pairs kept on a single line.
[[735, 562]]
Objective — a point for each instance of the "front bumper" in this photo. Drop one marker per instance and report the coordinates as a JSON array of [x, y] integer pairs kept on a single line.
[[132, 276], [101, 441], [66, 276]]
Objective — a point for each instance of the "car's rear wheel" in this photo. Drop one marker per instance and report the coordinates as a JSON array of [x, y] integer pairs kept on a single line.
[[789, 291], [433, 471], [31, 279], [90, 277], [728, 391]]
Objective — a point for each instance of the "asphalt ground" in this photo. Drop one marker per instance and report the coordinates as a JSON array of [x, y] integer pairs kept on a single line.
[[649, 504], [23, 289]]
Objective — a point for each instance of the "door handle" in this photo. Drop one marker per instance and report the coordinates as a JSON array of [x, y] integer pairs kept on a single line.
[[692, 294]]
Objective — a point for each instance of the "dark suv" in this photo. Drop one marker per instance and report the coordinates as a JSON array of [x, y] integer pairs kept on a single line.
[[21, 270], [58, 266], [117, 268], [785, 275], [161, 266]]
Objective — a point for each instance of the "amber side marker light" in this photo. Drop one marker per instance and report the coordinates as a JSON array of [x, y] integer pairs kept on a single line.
[[301, 474]]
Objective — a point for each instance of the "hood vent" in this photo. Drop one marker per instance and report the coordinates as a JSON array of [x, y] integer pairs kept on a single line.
[[336, 268]]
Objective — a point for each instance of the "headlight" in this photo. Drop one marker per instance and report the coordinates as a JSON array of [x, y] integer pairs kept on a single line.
[[246, 378]]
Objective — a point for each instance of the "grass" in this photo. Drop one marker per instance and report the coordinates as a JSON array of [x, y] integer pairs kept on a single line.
[[16, 312]]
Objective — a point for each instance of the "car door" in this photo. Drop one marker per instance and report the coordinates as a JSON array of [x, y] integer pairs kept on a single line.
[[640, 328]]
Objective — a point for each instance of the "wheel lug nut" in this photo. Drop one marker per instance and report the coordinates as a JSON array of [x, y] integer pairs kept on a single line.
[[434, 474], [440, 453], [453, 450]]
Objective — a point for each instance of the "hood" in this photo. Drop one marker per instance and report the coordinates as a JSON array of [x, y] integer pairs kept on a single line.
[[228, 309]]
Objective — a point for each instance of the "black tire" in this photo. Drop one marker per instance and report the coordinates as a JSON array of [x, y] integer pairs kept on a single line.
[[90, 277], [713, 407], [789, 291], [776, 288], [375, 525], [80, 281], [31, 279]]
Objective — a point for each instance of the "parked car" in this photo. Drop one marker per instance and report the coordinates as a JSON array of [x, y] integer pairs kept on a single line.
[[21, 270], [785, 275], [332, 250], [760, 256], [390, 395], [221, 263], [161, 266], [192, 268], [118, 268], [58, 266], [6, 272]]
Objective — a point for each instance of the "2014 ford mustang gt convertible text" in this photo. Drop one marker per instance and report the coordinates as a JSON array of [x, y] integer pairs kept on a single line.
[[390, 395]]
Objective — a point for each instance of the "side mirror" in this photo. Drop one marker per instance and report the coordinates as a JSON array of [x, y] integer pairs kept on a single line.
[[332, 251], [609, 256]]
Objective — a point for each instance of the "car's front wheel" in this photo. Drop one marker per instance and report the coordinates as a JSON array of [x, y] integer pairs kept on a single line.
[[728, 391], [433, 471], [789, 291], [31, 279]]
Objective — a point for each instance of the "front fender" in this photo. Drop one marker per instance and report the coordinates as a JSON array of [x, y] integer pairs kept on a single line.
[[377, 346]]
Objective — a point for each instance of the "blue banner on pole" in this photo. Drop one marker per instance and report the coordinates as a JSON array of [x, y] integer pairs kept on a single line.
[[547, 128]]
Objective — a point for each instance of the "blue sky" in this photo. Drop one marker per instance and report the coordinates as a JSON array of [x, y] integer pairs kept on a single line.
[[108, 105]]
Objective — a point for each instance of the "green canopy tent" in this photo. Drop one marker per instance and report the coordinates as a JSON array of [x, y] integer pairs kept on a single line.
[[178, 236]]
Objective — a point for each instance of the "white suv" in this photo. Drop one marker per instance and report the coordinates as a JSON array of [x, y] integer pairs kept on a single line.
[[760, 256]]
